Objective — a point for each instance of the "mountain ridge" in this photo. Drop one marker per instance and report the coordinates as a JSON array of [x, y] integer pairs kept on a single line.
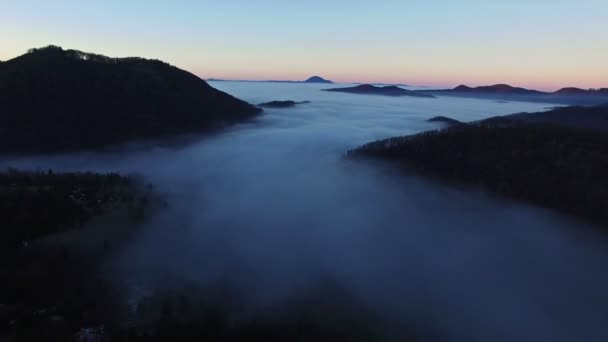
[[567, 95], [369, 89]]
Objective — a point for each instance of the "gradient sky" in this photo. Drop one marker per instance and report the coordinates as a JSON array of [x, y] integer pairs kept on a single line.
[[543, 44]]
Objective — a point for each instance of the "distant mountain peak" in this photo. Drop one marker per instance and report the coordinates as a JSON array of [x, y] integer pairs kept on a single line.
[[366, 86], [462, 87], [496, 88], [502, 91], [317, 79], [501, 86], [570, 91]]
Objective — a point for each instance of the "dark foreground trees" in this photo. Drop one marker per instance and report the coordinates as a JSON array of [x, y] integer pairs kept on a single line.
[[51, 289], [39, 203]]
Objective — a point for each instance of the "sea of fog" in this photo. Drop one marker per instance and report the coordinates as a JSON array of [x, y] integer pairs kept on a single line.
[[269, 207]]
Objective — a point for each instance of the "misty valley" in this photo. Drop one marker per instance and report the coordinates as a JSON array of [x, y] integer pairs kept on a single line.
[[141, 203]]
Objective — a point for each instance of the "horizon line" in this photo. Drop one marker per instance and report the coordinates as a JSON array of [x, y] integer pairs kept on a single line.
[[408, 84], [421, 84]]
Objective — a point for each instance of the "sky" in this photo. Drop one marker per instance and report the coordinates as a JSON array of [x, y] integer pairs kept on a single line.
[[543, 44]]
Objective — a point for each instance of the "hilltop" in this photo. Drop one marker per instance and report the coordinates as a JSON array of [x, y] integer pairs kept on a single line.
[[368, 89], [317, 79], [55, 100], [497, 89], [568, 96]]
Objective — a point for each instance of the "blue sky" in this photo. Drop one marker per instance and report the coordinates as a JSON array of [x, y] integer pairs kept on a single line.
[[543, 44]]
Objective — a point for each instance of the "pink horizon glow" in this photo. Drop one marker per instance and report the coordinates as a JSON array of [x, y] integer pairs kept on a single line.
[[548, 86]]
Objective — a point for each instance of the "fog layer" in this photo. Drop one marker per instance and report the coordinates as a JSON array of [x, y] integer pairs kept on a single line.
[[270, 207]]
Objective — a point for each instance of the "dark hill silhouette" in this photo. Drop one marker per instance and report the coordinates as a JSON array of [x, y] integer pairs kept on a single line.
[[54, 99], [567, 96], [546, 159], [317, 79], [368, 89], [593, 118], [445, 120], [584, 117], [281, 104], [497, 89], [579, 91]]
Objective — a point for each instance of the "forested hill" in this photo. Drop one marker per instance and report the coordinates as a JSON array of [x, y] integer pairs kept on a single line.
[[553, 160], [589, 117], [54, 99]]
